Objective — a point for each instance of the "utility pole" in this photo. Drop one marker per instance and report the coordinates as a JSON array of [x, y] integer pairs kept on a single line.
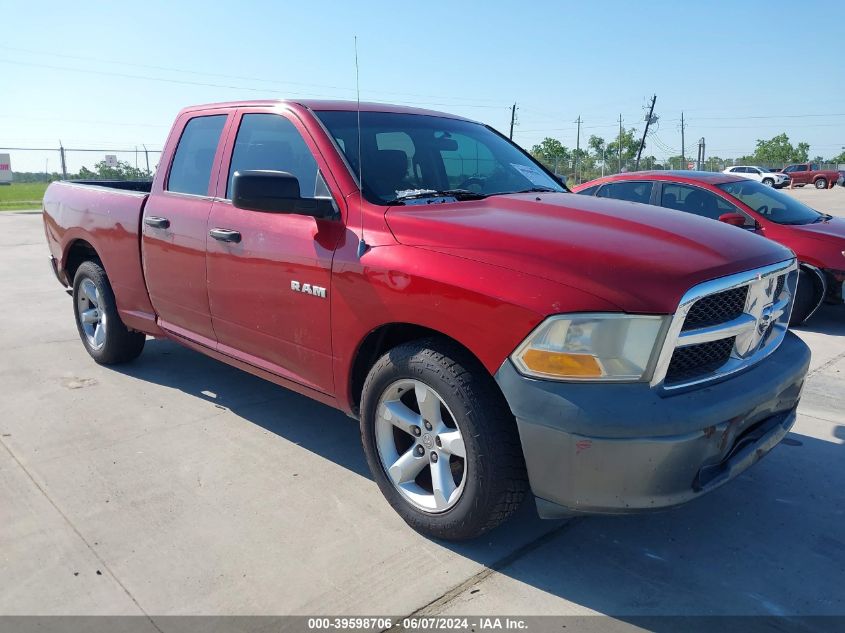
[[683, 157], [619, 149], [577, 147], [700, 158], [647, 123], [513, 119], [64, 166], [47, 170], [147, 157]]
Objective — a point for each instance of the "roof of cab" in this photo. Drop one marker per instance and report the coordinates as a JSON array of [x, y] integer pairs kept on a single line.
[[317, 105]]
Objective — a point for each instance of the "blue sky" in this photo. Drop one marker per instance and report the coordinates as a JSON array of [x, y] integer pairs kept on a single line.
[[109, 75]]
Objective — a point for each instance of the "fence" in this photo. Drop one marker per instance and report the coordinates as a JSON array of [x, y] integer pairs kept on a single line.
[[63, 163]]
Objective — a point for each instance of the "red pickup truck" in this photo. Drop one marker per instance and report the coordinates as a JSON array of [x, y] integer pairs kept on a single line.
[[810, 174], [492, 332]]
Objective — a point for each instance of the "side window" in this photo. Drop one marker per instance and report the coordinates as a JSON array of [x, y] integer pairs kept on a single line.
[[190, 171], [696, 201], [800, 168], [738, 170], [271, 142], [630, 191], [589, 191]]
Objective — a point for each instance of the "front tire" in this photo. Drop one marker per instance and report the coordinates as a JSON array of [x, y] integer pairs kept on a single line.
[[440, 440], [821, 183], [105, 337], [768, 182]]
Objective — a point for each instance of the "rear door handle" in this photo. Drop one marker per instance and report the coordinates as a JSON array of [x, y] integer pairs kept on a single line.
[[225, 235], [157, 222]]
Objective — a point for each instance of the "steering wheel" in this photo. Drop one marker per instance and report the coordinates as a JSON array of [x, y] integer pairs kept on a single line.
[[472, 181]]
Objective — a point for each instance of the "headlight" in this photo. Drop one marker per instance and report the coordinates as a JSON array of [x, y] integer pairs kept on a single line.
[[618, 347]]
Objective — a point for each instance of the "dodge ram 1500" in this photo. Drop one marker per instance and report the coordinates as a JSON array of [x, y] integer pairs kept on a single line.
[[492, 332]]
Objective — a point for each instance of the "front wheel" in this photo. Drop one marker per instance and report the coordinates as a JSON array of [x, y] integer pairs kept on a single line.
[[821, 183], [768, 182], [103, 334], [440, 440]]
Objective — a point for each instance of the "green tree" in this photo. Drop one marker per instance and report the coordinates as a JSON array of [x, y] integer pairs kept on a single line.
[[121, 171], [552, 153], [597, 146], [778, 150], [630, 145]]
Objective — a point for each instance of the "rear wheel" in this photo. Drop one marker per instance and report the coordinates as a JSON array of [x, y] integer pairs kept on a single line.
[[103, 334], [821, 183], [440, 440]]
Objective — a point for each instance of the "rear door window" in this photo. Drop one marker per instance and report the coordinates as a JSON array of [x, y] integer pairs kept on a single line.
[[695, 200], [630, 191], [190, 171]]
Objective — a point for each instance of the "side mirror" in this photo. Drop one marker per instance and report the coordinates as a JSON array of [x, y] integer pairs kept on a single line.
[[734, 219], [275, 192]]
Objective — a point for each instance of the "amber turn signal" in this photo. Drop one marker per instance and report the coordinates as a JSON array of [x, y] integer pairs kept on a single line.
[[562, 364]]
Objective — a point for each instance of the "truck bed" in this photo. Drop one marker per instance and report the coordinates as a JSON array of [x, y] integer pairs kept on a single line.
[[105, 216]]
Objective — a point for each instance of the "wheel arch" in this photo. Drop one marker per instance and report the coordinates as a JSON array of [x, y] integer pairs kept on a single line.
[[383, 338], [819, 285], [78, 250]]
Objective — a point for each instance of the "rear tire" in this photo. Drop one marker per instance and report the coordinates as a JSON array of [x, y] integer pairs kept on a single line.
[[806, 298], [821, 183], [489, 481], [105, 337]]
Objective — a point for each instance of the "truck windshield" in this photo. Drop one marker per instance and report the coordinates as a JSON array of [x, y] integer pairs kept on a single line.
[[410, 155], [771, 203]]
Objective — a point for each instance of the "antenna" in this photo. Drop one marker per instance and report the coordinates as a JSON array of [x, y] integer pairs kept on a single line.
[[362, 244]]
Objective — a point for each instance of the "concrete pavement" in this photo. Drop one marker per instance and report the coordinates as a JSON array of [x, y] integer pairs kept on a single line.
[[179, 485]]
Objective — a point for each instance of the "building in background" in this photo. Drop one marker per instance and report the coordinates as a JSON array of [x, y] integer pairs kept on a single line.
[[5, 169]]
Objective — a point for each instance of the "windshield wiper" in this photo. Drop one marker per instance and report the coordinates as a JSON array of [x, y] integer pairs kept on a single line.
[[421, 194], [823, 217], [531, 190]]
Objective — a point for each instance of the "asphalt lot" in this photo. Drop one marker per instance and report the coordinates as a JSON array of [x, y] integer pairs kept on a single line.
[[179, 485]]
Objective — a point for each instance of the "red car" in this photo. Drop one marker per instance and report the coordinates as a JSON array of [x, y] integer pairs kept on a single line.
[[818, 239], [492, 332]]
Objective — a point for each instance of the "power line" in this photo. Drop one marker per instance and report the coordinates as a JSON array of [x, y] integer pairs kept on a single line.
[[222, 76]]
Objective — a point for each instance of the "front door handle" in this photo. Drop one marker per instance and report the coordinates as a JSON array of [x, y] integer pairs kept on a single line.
[[157, 222], [225, 235]]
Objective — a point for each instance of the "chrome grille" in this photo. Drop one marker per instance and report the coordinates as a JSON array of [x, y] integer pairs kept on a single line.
[[725, 325], [717, 308], [694, 361], [779, 287]]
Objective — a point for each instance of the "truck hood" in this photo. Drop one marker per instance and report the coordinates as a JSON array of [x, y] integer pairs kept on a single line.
[[639, 257]]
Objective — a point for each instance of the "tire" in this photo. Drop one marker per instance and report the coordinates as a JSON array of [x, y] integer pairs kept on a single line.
[[106, 339], [806, 298], [821, 183], [768, 182], [490, 481]]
